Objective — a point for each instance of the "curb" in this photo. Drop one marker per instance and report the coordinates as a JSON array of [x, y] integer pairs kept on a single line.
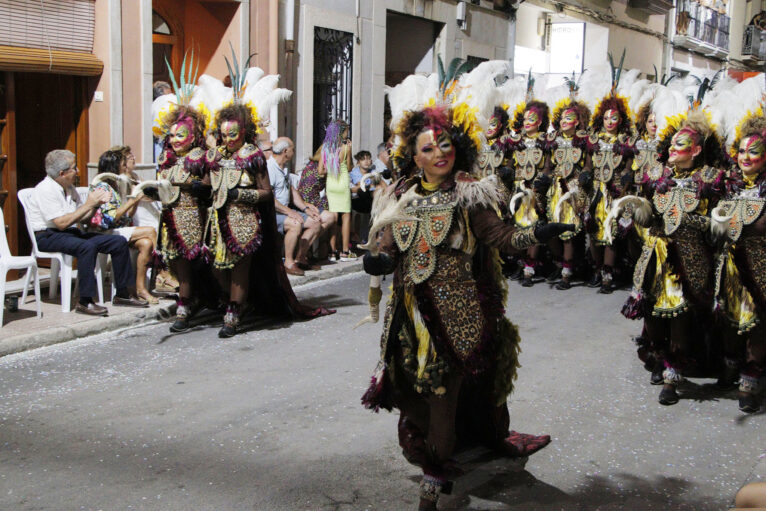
[[56, 335]]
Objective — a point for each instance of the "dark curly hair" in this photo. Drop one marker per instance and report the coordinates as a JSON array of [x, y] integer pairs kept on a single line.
[[435, 117], [581, 109], [502, 118], [110, 161], [613, 103], [198, 122], [642, 116], [241, 114], [542, 110]]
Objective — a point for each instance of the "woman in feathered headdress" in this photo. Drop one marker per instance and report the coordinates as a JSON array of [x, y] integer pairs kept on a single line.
[[741, 277], [448, 353], [242, 228], [611, 129], [531, 154], [673, 278], [570, 157], [180, 122]]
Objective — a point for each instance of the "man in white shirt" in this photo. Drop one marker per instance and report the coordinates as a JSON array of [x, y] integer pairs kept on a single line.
[[56, 213], [295, 218]]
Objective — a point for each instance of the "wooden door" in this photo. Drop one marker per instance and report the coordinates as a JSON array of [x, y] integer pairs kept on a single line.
[[50, 113]]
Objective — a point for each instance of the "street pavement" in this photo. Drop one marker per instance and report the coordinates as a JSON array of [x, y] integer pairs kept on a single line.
[[271, 420]]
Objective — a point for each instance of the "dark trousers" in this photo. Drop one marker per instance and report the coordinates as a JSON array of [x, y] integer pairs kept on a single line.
[[86, 246]]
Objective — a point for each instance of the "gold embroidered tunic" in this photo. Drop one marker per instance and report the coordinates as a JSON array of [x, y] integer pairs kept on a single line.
[[568, 158], [182, 222], [235, 225]]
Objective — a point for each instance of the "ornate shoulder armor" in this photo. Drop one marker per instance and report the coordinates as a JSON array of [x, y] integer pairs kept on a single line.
[[247, 151], [196, 154]]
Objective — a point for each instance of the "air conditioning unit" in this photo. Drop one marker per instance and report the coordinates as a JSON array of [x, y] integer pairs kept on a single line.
[[651, 6]]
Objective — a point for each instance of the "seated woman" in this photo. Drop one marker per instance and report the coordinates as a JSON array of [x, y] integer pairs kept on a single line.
[[311, 187], [115, 215]]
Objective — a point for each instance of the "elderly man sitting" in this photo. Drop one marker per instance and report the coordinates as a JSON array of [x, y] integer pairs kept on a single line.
[[56, 213], [301, 223]]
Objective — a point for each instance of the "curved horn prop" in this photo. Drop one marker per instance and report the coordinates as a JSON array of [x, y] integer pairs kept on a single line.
[[557, 212], [719, 224]]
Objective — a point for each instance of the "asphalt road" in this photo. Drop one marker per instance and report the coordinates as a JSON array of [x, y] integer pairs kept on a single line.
[[271, 420]]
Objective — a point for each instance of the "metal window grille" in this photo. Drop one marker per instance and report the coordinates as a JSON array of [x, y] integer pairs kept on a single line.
[[333, 75]]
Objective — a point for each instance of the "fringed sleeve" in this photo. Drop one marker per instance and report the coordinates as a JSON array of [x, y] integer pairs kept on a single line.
[[491, 230], [195, 163]]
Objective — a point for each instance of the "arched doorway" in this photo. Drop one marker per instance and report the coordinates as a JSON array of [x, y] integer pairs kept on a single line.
[[167, 43]]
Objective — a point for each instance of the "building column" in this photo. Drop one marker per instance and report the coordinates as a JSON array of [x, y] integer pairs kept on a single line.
[[137, 75]]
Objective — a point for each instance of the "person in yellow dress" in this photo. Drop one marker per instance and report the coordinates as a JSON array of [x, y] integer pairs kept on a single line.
[[335, 164]]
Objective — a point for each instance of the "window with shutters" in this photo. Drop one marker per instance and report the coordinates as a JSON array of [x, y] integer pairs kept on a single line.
[[48, 24]]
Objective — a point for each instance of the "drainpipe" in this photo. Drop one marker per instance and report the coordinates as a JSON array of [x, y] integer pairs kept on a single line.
[[273, 63], [289, 53]]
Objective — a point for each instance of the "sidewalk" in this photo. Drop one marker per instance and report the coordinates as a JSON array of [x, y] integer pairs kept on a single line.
[[22, 330]]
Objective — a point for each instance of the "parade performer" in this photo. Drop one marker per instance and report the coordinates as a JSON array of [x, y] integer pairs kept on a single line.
[[673, 278], [611, 130], [494, 155], [531, 153], [740, 276], [448, 354], [570, 157], [242, 226], [645, 164], [180, 122]]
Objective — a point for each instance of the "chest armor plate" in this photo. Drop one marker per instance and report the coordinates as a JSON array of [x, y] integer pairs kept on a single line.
[[489, 160], [646, 161], [567, 157], [605, 162], [419, 238], [223, 179], [527, 161], [674, 204], [743, 210], [175, 174]]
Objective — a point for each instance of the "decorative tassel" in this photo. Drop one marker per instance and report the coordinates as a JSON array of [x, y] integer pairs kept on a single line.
[[635, 305], [379, 393]]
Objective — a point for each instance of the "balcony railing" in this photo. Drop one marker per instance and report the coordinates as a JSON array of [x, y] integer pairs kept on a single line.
[[701, 29], [754, 44]]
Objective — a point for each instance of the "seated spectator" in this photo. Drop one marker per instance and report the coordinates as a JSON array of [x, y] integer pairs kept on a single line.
[[149, 210], [115, 217], [311, 189], [301, 223], [147, 215], [56, 214], [382, 163]]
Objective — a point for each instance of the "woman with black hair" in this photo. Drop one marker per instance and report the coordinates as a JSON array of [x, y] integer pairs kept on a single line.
[[448, 353], [116, 214]]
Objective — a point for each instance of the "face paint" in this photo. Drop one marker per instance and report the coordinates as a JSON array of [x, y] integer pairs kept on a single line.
[[494, 127], [532, 122], [232, 136], [751, 156], [568, 121], [435, 154], [682, 149], [651, 125], [612, 120], [181, 137]]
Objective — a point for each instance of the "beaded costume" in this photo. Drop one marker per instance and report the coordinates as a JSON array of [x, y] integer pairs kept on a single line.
[[183, 217], [235, 226]]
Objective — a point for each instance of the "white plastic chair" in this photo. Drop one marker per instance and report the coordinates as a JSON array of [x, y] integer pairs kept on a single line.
[[11, 262], [61, 264]]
